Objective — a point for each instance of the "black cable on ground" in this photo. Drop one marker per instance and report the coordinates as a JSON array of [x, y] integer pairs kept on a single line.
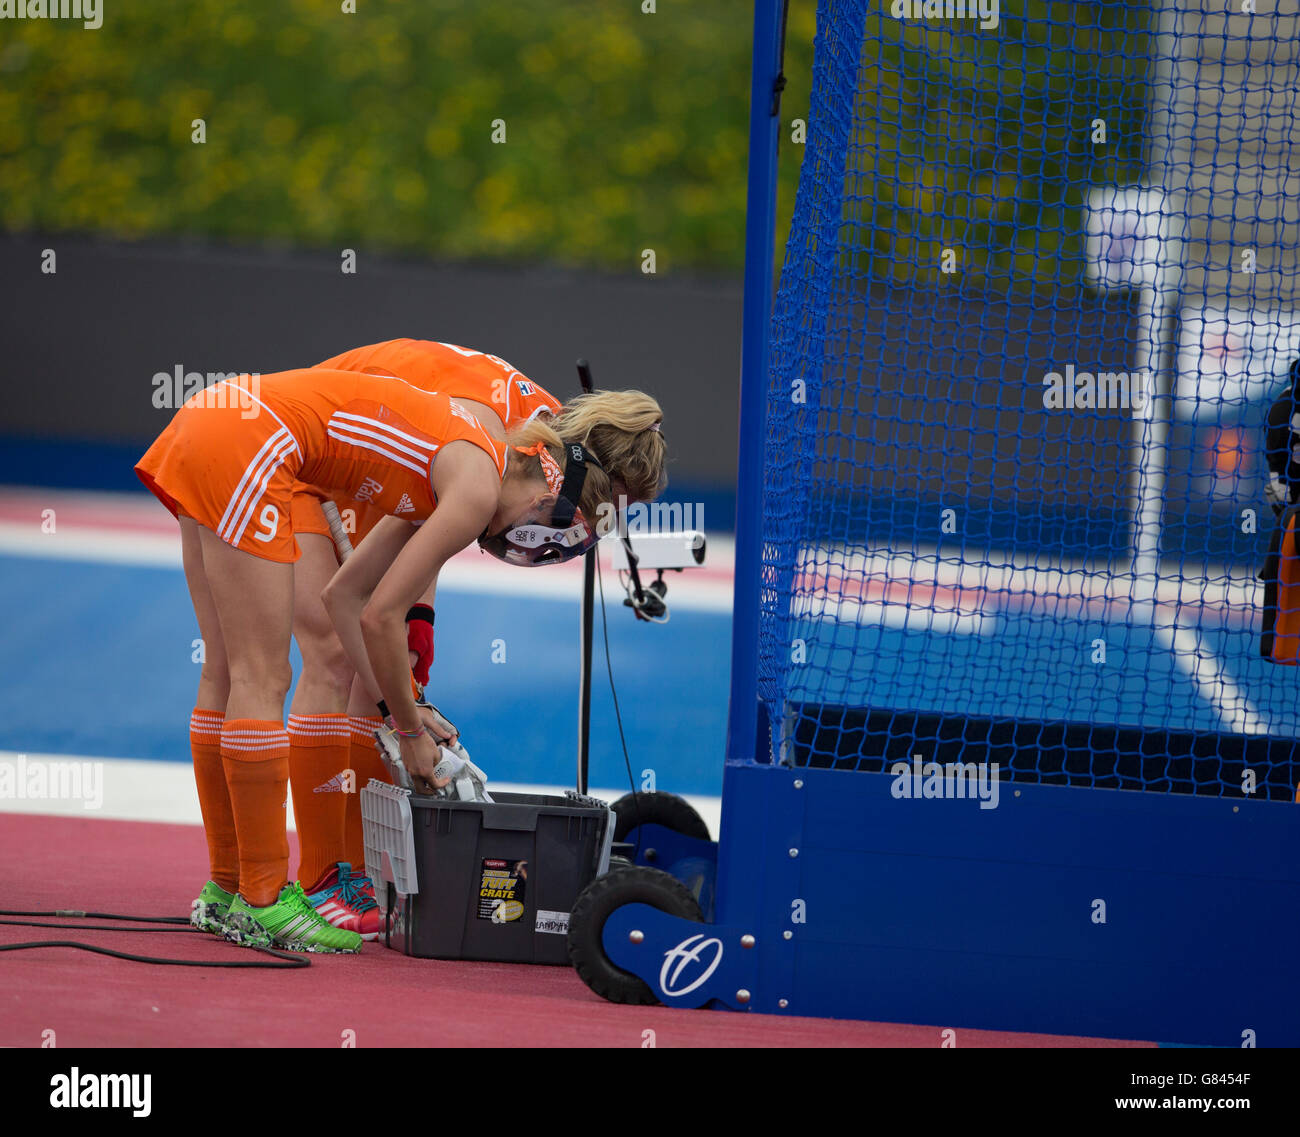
[[76, 912], [284, 960], [280, 960], [97, 927]]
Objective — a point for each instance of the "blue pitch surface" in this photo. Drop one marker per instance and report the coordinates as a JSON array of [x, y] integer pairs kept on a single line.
[[1014, 669], [123, 635], [97, 661]]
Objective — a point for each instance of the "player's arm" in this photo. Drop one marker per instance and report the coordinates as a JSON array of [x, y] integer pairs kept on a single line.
[[467, 485], [350, 588]]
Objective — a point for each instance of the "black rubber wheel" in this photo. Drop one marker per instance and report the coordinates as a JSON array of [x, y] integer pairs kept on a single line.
[[635, 885], [668, 810]]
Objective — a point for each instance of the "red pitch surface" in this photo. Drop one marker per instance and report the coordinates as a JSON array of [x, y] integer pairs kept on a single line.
[[385, 998]]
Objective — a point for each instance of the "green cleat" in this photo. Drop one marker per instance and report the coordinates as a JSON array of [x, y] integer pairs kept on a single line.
[[208, 912], [290, 924]]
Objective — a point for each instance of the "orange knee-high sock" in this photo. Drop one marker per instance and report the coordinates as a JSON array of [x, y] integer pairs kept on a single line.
[[255, 753], [367, 764], [214, 798], [320, 749]]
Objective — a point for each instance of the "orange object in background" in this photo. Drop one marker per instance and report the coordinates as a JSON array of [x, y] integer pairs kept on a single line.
[[1227, 450]]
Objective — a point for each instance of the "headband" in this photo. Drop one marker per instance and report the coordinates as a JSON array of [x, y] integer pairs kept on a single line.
[[550, 467]]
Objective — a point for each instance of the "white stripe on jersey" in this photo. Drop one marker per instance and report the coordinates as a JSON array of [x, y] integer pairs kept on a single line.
[[250, 471], [423, 443], [420, 455], [423, 471]]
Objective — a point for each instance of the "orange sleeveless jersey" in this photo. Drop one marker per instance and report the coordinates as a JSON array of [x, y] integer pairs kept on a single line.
[[232, 455], [459, 372]]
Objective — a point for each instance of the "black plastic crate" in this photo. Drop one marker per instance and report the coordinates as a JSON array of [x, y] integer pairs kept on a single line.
[[477, 880]]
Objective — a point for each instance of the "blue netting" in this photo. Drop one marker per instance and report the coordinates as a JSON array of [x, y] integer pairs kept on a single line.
[[964, 558]]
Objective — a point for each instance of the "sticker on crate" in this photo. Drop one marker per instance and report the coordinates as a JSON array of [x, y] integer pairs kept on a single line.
[[501, 890], [556, 923]]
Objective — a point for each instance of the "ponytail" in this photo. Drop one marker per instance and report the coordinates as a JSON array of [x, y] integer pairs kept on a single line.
[[622, 431]]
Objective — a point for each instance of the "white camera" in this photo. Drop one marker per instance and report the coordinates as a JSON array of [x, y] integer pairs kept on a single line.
[[659, 550]]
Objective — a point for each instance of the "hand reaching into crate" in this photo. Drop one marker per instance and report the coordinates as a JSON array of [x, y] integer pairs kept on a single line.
[[422, 765], [439, 728]]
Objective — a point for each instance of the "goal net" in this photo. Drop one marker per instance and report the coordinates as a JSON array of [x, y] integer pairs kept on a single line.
[[1037, 296]]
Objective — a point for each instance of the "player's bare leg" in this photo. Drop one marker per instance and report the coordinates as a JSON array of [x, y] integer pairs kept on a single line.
[[209, 911], [253, 599], [325, 783], [326, 678]]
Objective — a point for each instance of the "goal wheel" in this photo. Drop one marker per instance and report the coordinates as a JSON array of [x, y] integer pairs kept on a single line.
[[635, 885], [668, 810]]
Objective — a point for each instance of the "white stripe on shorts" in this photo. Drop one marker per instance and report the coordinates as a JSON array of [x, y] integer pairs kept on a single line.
[[282, 452], [250, 471]]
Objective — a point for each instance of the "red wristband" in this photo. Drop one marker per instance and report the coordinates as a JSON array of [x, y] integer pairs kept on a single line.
[[419, 639]]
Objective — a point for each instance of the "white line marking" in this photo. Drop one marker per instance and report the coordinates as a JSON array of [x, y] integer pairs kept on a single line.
[[1213, 684], [137, 790], [469, 572]]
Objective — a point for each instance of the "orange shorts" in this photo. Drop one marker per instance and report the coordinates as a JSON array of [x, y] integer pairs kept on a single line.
[[232, 471], [358, 517], [306, 513]]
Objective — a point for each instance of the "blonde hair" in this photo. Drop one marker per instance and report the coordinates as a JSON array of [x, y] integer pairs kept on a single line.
[[620, 428]]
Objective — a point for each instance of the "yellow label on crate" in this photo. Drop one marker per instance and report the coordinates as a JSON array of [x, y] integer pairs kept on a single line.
[[507, 911], [501, 890]]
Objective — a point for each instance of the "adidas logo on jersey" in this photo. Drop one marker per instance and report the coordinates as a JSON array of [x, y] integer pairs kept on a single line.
[[405, 505], [336, 785]]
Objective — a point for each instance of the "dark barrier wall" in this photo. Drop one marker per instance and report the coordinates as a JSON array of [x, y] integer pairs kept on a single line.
[[81, 345]]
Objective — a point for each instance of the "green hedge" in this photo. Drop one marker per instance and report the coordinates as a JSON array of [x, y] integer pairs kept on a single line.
[[624, 130]]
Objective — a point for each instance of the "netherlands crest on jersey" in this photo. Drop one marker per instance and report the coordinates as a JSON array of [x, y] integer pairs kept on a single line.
[[525, 388]]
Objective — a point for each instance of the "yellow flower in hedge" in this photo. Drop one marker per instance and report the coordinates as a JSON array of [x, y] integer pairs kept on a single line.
[[239, 28], [279, 130], [409, 188]]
